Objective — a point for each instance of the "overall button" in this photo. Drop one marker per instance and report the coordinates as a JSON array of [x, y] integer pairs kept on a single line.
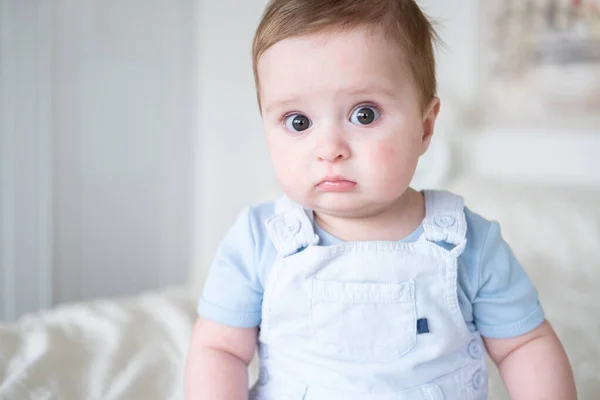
[[287, 227], [475, 349], [479, 380], [444, 221], [292, 227]]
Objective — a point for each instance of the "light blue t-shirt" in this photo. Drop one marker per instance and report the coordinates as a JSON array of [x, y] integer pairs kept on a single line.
[[495, 294]]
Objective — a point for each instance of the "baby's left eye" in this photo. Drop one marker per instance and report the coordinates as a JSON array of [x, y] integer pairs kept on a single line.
[[364, 115]]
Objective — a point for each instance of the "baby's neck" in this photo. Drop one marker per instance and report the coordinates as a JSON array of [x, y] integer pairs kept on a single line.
[[394, 223]]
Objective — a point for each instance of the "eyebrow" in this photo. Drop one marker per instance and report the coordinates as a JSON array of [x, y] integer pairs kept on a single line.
[[279, 104], [366, 91], [369, 91]]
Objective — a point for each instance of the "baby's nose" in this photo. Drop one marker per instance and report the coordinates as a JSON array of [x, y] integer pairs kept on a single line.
[[333, 148]]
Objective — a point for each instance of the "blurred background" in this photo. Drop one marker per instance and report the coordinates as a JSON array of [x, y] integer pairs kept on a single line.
[[130, 136]]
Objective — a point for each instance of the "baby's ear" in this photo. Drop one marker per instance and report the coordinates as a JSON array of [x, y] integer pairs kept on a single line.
[[429, 116]]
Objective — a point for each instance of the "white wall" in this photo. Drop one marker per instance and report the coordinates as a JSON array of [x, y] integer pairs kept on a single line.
[[96, 113], [234, 164], [25, 158], [123, 85]]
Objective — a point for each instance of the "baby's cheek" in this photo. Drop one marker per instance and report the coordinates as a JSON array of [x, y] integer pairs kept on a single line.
[[391, 163], [283, 169], [383, 152], [388, 155], [288, 169]]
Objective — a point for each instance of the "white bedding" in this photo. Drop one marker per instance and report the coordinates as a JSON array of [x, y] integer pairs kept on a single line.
[[134, 348], [555, 234], [111, 349]]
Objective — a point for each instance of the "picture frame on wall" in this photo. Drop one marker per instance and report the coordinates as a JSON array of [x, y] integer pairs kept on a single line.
[[540, 63]]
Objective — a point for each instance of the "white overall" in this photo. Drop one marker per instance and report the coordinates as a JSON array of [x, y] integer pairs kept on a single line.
[[367, 320]]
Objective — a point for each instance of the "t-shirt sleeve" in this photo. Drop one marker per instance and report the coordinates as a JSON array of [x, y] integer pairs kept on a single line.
[[233, 292], [506, 304]]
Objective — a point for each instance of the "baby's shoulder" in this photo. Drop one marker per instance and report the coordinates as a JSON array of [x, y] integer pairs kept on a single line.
[[257, 215], [483, 237], [248, 232], [477, 226]]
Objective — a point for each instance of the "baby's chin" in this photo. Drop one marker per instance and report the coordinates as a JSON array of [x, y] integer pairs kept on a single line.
[[344, 206]]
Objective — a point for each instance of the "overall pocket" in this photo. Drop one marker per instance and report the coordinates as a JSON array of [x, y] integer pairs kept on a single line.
[[363, 321]]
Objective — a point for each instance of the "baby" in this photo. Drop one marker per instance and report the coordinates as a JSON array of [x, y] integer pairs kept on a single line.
[[354, 286]]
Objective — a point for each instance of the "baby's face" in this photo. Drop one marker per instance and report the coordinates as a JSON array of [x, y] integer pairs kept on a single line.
[[344, 124]]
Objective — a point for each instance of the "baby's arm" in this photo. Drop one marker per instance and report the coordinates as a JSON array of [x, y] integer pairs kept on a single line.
[[534, 365], [217, 364]]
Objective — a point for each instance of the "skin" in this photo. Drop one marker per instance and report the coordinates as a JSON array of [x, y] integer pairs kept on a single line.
[[325, 79]]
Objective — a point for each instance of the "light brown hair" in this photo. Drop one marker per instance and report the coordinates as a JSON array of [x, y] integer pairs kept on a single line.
[[400, 21]]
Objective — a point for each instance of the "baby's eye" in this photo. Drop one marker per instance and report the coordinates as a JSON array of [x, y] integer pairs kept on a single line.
[[364, 115], [297, 123]]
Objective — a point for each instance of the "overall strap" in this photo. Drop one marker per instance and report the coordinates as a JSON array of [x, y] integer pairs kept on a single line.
[[291, 228], [445, 218]]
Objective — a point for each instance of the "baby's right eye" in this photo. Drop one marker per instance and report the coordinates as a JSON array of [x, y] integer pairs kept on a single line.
[[297, 123]]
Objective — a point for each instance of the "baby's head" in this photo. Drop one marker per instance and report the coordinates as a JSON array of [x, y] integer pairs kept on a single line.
[[347, 93]]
